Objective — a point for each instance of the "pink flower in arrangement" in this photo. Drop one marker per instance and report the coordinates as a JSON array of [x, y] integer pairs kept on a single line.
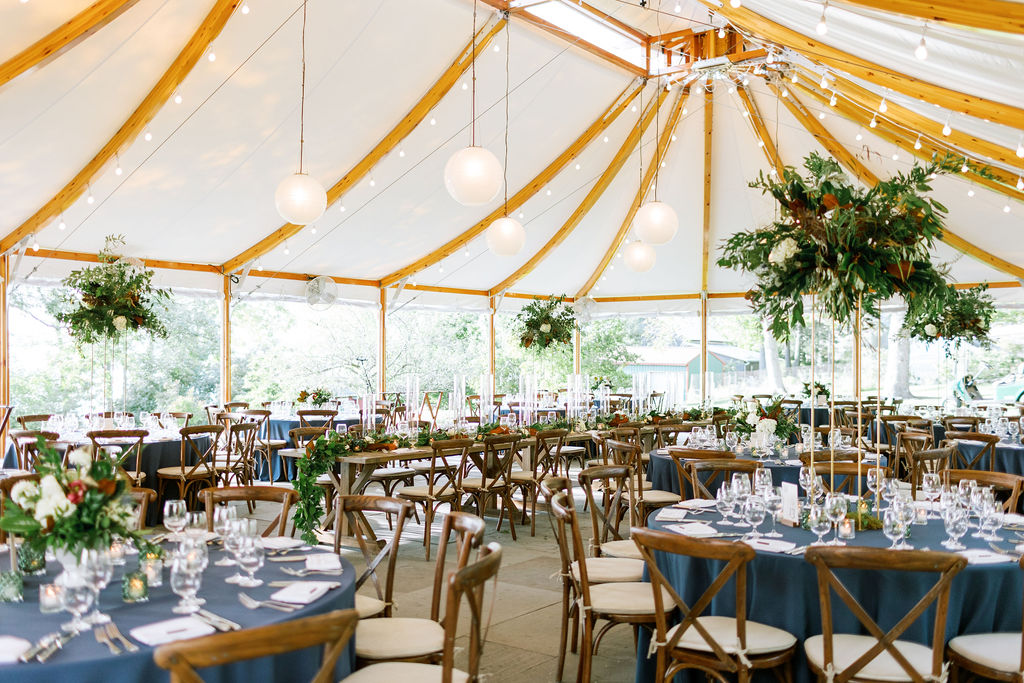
[[76, 491]]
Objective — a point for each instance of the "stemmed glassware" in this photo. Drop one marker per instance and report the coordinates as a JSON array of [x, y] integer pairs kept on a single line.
[[773, 505], [250, 559], [931, 485], [175, 516], [76, 598], [187, 565], [724, 502], [196, 524], [955, 519], [732, 440], [820, 523], [836, 507], [762, 480], [892, 527], [754, 514], [222, 517], [97, 570], [806, 481], [906, 511]]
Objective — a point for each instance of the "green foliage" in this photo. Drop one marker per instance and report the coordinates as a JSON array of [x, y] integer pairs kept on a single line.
[[955, 316], [106, 300], [840, 242], [785, 426], [546, 322], [316, 397], [819, 389]]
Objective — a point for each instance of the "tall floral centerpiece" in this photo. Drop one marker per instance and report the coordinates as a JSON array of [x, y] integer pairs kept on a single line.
[[954, 317], [104, 303], [755, 419], [314, 397], [82, 506]]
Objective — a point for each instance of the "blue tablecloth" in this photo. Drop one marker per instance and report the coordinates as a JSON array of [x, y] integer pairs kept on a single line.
[[1009, 457], [820, 417], [83, 660], [278, 428], [661, 472], [782, 592]]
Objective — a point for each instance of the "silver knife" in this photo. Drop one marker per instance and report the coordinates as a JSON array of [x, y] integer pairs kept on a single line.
[[40, 645], [58, 643], [228, 624], [288, 558]]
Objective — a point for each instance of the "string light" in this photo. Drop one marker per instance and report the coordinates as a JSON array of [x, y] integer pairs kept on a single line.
[[177, 98], [685, 111], [735, 3], [1006, 208], [822, 27], [896, 155], [824, 80], [633, 109], [1020, 183], [921, 51], [821, 115], [147, 136], [882, 106], [401, 153], [794, 78], [62, 225], [287, 251], [679, 7], [578, 167], [785, 93], [465, 86], [859, 135], [548, 192], [90, 199], [210, 54], [433, 121], [771, 56], [497, 48], [466, 252], [970, 193], [721, 32], [117, 169], [341, 208], [1020, 147], [874, 122], [605, 138], [917, 143], [946, 130], [832, 100], [965, 168], [746, 80], [35, 243], [373, 183]]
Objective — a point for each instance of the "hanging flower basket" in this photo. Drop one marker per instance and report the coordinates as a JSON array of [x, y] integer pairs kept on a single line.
[[901, 270], [956, 316], [546, 322]]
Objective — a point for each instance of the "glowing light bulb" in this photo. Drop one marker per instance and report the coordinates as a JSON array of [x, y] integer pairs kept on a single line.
[[35, 246], [605, 138], [211, 55], [917, 143], [497, 48], [895, 156], [440, 269], [794, 78], [401, 153], [821, 115], [341, 208], [1020, 148], [874, 122], [685, 111], [732, 89], [177, 98], [548, 193], [946, 130], [90, 199], [965, 168], [1006, 208], [633, 109], [118, 170], [824, 80], [312, 231], [882, 106], [466, 252], [735, 3], [62, 225], [822, 27], [1020, 183], [578, 167], [521, 215], [287, 251], [373, 183], [147, 136], [970, 193], [921, 51], [673, 138], [679, 7], [245, 9], [859, 136], [465, 86], [721, 32], [433, 121], [785, 93], [832, 100]]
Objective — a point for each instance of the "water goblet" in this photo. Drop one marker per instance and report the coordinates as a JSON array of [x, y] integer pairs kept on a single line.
[[820, 523], [889, 489], [185, 583], [931, 484], [773, 505], [836, 507], [978, 500], [233, 537], [175, 515], [806, 481], [741, 484], [955, 520], [724, 503], [250, 559], [907, 512], [98, 569], [993, 522], [754, 514], [893, 528], [76, 598], [196, 524], [731, 441], [762, 480], [222, 516]]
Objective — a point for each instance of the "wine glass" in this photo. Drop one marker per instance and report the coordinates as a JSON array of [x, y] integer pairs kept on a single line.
[[874, 480], [892, 527], [806, 481], [185, 583], [76, 598], [762, 480], [992, 522], [907, 512], [978, 500], [175, 515], [930, 487], [836, 507], [753, 514], [724, 502], [232, 537], [889, 490], [196, 524], [819, 522], [250, 559], [98, 569], [773, 505], [740, 484], [731, 441], [955, 520], [222, 516]]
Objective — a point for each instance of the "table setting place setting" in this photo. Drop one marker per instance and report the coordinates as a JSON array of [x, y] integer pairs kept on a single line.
[[966, 518], [185, 559]]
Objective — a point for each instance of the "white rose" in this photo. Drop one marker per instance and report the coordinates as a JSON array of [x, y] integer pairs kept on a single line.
[[767, 426], [120, 323], [53, 502], [751, 418], [80, 458], [931, 330], [24, 492], [783, 251], [545, 328]]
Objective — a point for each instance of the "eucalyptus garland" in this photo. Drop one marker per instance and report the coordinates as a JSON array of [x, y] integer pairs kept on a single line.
[[954, 316]]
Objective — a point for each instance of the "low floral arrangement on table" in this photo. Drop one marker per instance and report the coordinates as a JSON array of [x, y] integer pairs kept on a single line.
[[81, 507], [117, 295], [846, 245], [316, 397], [546, 322], [598, 381], [771, 418], [322, 455], [819, 389], [957, 316]]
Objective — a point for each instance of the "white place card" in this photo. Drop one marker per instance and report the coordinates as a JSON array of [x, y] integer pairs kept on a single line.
[[790, 503]]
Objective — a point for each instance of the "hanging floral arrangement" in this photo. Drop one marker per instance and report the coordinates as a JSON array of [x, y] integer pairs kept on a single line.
[[315, 397], [107, 300], [546, 322], [841, 242], [954, 316]]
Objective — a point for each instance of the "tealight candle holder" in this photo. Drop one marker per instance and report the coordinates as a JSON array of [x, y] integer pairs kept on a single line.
[[117, 552], [50, 596], [135, 587], [12, 586], [153, 568], [31, 561], [921, 516], [847, 529]]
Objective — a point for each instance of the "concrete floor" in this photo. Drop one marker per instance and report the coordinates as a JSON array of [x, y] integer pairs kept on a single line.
[[522, 643]]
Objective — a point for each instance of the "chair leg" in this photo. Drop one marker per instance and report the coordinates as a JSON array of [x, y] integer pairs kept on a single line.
[[533, 510], [564, 630], [428, 519], [586, 650]]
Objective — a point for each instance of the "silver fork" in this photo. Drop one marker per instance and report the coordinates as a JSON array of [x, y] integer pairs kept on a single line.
[[114, 632], [253, 603], [1003, 551], [103, 639], [307, 572]]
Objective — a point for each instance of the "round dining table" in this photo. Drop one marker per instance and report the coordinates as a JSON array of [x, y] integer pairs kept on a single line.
[[283, 469], [84, 660], [782, 590], [1009, 456]]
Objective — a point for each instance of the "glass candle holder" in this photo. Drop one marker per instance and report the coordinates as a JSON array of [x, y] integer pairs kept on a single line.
[[12, 586], [135, 587], [921, 515], [31, 561], [50, 596], [117, 552], [847, 529], [153, 568]]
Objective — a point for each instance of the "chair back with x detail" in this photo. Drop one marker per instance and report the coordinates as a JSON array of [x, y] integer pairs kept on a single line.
[[128, 443], [723, 467], [26, 445], [317, 417], [960, 460], [606, 514], [717, 643], [494, 466], [214, 496], [864, 650], [354, 509]]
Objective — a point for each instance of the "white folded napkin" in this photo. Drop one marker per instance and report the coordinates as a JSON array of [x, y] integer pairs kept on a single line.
[[170, 630], [178, 537], [323, 561], [670, 515], [280, 542], [695, 529], [696, 504], [304, 592], [796, 463], [1013, 518], [11, 648], [770, 545], [981, 556]]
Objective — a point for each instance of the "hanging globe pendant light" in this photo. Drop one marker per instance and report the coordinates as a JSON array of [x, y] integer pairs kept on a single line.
[[505, 236], [639, 257], [656, 223], [473, 175], [301, 199]]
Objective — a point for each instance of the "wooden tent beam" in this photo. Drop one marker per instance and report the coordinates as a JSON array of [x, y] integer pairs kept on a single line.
[[709, 100], [67, 35], [225, 342], [971, 145], [870, 179], [839, 60], [991, 15], [1002, 182], [398, 133], [595, 193], [525, 193], [652, 170], [149, 263], [761, 131], [209, 29]]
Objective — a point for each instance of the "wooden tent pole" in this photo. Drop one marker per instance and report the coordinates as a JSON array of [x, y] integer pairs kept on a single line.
[[5, 341], [490, 344], [225, 342], [703, 346], [382, 345], [577, 351]]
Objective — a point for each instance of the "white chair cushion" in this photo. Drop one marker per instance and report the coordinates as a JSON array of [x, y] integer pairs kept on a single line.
[[611, 569], [292, 452], [573, 450], [520, 475], [393, 472], [398, 637], [659, 497], [848, 647], [424, 465], [369, 606], [999, 651], [623, 548], [761, 638], [407, 672], [424, 491], [477, 482], [632, 597]]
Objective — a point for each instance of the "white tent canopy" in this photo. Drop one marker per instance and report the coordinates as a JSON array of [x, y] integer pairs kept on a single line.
[[200, 191]]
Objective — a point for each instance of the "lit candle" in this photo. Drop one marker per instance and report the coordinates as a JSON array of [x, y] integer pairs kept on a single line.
[[847, 529], [153, 568], [117, 552], [921, 515], [134, 587], [50, 598]]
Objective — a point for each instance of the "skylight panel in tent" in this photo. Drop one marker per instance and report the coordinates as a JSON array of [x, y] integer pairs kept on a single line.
[[591, 29]]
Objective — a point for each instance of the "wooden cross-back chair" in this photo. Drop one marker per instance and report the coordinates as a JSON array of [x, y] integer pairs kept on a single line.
[[286, 498], [668, 434], [235, 406], [354, 508], [142, 498], [723, 423], [191, 477], [332, 630], [642, 500], [959, 460], [129, 443], [846, 475], [826, 455], [961, 424], [892, 425], [717, 468], [433, 405], [236, 463], [908, 442], [681, 458], [1007, 487], [446, 456], [927, 461], [5, 418], [187, 417], [722, 644], [546, 463], [320, 418], [264, 447], [494, 467], [26, 445], [844, 657], [606, 513], [27, 421]]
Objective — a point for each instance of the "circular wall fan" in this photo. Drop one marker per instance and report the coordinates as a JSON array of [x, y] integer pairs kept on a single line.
[[321, 293]]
